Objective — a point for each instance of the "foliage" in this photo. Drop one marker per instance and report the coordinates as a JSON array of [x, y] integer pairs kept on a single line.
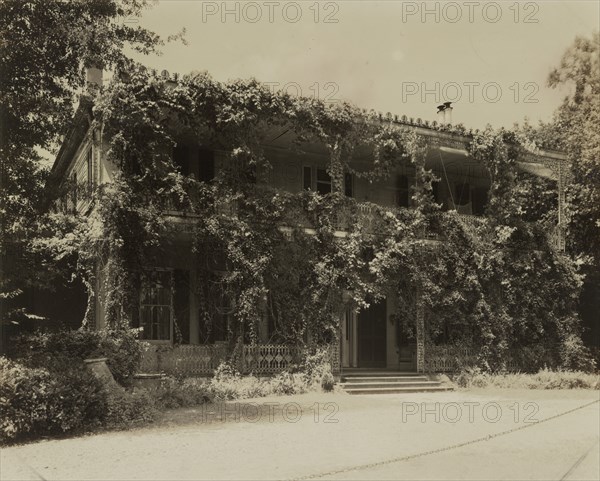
[[498, 283], [41, 401], [121, 348], [46, 44], [124, 408], [175, 393], [579, 116], [544, 379], [63, 397]]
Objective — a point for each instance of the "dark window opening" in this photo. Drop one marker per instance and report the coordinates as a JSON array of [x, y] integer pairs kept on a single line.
[[307, 178], [402, 191], [155, 305], [181, 158], [348, 185], [435, 187], [206, 161], [214, 316], [480, 198], [323, 182], [90, 170], [463, 194]]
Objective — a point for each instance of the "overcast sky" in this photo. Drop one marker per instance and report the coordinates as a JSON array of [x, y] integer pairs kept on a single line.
[[492, 58]]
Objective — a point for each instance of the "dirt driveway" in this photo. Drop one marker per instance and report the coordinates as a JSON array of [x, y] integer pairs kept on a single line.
[[475, 434]]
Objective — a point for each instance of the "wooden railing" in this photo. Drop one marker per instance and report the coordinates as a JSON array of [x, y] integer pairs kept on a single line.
[[202, 360]]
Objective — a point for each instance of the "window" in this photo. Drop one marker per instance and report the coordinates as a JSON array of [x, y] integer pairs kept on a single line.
[[206, 160], [214, 315], [463, 194], [180, 158], [479, 196], [348, 185], [156, 305], [323, 182], [307, 178], [435, 187], [90, 170], [402, 191], [74, 187]]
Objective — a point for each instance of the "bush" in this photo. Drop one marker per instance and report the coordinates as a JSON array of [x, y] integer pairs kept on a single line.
[[121, 347], [175, 393], [228, 384], [575, 356], [287, 383], [125, 408], [39, 401], [544, 379]]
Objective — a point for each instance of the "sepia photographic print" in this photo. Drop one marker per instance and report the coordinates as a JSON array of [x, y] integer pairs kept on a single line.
[[299, 240]]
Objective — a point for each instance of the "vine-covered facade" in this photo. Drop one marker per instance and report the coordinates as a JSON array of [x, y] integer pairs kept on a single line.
[[231, 222]]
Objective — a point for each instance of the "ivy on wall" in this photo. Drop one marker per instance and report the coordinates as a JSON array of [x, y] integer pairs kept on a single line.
[[496, 283]]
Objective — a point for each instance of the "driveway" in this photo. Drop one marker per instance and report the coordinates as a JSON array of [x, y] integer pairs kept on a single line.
[[474, 434]]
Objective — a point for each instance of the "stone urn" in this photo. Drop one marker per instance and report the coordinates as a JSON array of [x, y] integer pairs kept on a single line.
[[101, 371]]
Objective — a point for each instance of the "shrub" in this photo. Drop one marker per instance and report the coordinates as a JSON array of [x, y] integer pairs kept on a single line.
[[327, 381], [574, 355], [121, 347], [129, 407], [544, 379], [228, 384], [175, 393], [287, 383], [37, 400]]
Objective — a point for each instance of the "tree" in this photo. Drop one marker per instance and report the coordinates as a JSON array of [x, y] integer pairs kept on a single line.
[[44, 47], [577, 120]]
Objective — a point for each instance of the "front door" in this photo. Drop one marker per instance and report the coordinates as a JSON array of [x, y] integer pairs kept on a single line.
[[372, 335]]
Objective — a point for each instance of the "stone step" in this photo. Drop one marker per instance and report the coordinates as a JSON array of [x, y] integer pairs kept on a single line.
[[378, 373], [368, 385], [361, 379], [398, 390]]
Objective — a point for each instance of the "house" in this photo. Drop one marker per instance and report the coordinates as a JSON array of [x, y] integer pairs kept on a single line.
[[174, 295]]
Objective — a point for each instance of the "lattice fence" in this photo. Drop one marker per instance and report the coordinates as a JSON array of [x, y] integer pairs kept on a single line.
[[188, 360], [444, 358], [202, 360], [448, 358], [270, 358]]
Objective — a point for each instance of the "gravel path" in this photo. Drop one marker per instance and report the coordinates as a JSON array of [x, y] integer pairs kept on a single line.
[[333, 436]]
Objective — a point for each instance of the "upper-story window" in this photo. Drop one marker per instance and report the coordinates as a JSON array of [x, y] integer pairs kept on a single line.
[[348, 185], [323, 182], [90, 168], [402, 191], [462, 194], [199, 163], [206, 165]]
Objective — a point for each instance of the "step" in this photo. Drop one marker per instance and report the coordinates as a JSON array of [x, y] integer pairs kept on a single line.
[[385, 378], [369, 385], [398, 390], [378, 372]]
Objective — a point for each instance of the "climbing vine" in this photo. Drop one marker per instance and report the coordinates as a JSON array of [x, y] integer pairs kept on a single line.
[[496, 284]]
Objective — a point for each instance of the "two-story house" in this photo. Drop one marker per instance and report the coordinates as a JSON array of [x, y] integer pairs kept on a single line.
[[169, 305]]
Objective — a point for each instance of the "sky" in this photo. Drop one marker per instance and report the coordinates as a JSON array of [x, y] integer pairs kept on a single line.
[[491, 58]]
